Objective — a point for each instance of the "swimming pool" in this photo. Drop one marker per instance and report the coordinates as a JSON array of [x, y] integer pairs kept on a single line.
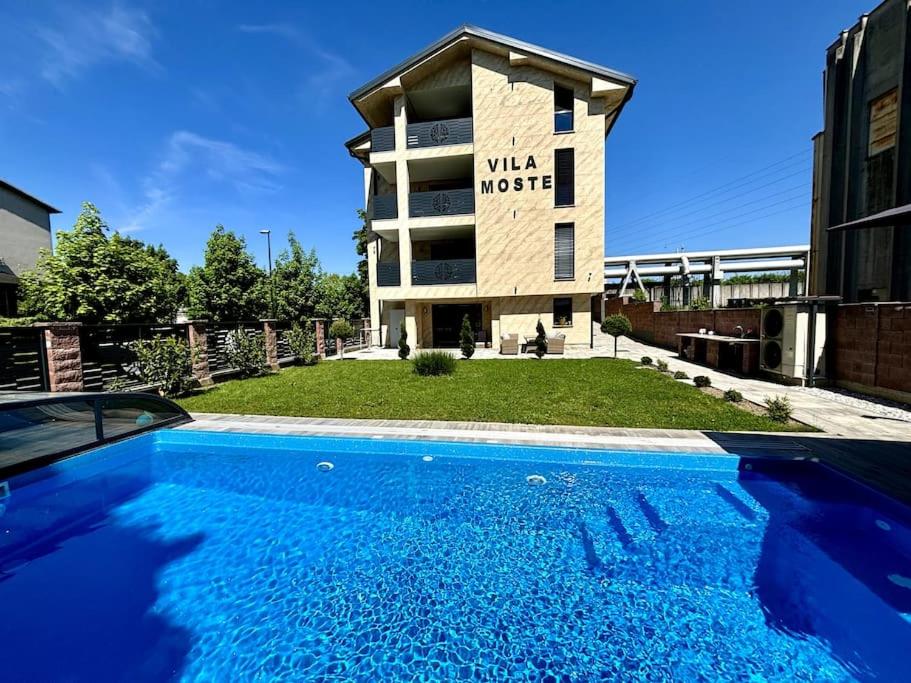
[[210, 556]]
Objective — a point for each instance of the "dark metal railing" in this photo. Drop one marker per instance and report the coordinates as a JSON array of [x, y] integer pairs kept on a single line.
[[22, 359], [436, 133], [382, 139], [388, 274], [446, 272], [385, 206], [441, 203]]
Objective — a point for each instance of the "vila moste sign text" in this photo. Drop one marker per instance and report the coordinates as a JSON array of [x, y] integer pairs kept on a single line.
[[528, 181]]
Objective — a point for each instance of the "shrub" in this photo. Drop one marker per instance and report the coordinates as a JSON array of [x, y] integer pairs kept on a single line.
[[404, 349], [616, 325], [661, 365], [246, 353], [680, 374], [434, 363], [25, 321], [702, 381], [341, 329], [639, 295], [166, 362], [302, 342], [466, 338], [733, 396], [778, 408], [540, 340], [700, 304], [646, 360]]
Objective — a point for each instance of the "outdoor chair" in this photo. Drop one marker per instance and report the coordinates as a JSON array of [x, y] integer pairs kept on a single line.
[[555, 343], [509, 344]]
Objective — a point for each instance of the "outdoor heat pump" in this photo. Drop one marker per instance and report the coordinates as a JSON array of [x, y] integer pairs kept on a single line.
[[792, 340]]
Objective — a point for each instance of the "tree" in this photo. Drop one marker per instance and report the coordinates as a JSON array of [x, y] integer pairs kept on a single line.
[[361, 239], [296, 276], [339, 297], [229, 286], [616, 325], [466, 338], [540, 340], [404, 349], [341, 329], [94, 278]]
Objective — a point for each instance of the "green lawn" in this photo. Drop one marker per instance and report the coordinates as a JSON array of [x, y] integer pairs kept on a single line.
[[601, 392]]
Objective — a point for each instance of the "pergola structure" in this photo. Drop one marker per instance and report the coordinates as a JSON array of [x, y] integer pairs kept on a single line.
[[712, 265]]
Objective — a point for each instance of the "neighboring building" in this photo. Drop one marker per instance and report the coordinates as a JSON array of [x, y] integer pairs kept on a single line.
[[484, 180], [25, 227], [861, 244]]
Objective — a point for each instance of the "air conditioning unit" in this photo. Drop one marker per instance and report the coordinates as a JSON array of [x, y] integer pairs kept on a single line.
[[787, 333]]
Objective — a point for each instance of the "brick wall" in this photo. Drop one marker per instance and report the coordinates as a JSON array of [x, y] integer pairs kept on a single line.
[[872, 348]]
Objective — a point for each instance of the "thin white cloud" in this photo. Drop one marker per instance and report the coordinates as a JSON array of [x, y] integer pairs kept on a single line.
[[82, 38], [188, 155]]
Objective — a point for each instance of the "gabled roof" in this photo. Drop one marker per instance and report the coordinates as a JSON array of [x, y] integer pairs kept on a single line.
[[469, 31], [25, 195]]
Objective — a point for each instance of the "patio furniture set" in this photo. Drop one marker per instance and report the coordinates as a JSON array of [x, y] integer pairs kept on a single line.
[[510, 346]]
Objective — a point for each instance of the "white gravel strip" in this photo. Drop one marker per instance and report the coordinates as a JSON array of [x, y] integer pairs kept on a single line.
[[877, 406]]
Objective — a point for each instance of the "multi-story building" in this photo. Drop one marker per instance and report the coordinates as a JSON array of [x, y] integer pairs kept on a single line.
[[25, 228], [861, 244], [484, 182]]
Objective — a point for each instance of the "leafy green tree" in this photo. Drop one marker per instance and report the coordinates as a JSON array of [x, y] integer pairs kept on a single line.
[[166, 362], [361, 239], [339, 297], [341, 329], [616, 325], [95, 278], [229, 285], [466, 338], [540, 340], [296, 275]]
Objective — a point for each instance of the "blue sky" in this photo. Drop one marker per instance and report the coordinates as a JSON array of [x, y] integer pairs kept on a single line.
[[175, 116]]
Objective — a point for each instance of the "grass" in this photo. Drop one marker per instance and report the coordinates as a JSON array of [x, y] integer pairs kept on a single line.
[[595, 392]]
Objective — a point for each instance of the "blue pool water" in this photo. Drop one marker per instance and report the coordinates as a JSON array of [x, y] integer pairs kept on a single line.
[[200, 556]]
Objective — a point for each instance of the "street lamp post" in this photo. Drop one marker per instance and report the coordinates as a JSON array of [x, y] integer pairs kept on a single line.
[[268, 234]]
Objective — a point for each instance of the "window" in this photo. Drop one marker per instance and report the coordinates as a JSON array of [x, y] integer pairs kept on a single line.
[[563, 109], [881, 152], [563, 312], [564, 170], [564, 251]]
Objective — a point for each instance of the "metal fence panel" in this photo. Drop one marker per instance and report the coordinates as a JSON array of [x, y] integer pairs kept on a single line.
[[22, 360]]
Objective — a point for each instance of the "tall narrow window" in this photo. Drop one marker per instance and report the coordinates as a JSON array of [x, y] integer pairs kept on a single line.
[[881, 152], [564, 251], [563, 109], [564, 170]]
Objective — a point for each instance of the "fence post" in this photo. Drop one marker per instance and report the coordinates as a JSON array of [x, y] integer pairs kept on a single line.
[[64, 356], [270, 337], [199, 345], [320, 337]]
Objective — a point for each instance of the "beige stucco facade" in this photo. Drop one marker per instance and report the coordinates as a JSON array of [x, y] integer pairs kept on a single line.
[[483, 200]]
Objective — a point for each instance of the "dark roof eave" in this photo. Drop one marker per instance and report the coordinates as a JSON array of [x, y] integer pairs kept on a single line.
[[29, 197], [898, 215], [469, 30]]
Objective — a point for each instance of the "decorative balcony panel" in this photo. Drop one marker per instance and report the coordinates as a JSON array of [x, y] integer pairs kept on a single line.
[[382, 139], [449, 272], [388, 274], [385, 206], [437, 133], [441, 203]]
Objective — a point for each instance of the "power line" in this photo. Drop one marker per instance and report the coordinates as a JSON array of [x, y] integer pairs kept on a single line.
[[731, 185]]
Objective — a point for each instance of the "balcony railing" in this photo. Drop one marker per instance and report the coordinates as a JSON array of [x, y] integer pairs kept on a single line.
[[441, 203], [388, 274], [382, 139], [385, 206], [449, 272], [437, 133]]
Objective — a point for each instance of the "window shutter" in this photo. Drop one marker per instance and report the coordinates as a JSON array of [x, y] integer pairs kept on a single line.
[[564, 251], [565, 181]]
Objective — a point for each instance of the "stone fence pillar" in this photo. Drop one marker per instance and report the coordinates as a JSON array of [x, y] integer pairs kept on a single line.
[[64, 357], [320, 337], [199, 345], [270, 338]]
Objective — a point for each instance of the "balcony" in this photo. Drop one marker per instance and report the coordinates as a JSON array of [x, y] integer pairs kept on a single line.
[[382, 139], [385, 207], [441, 203], [448, 272], [438, 133], [388, 274]]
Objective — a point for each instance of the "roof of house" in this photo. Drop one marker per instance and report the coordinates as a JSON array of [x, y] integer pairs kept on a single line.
[[467, 30], [25, 195]]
